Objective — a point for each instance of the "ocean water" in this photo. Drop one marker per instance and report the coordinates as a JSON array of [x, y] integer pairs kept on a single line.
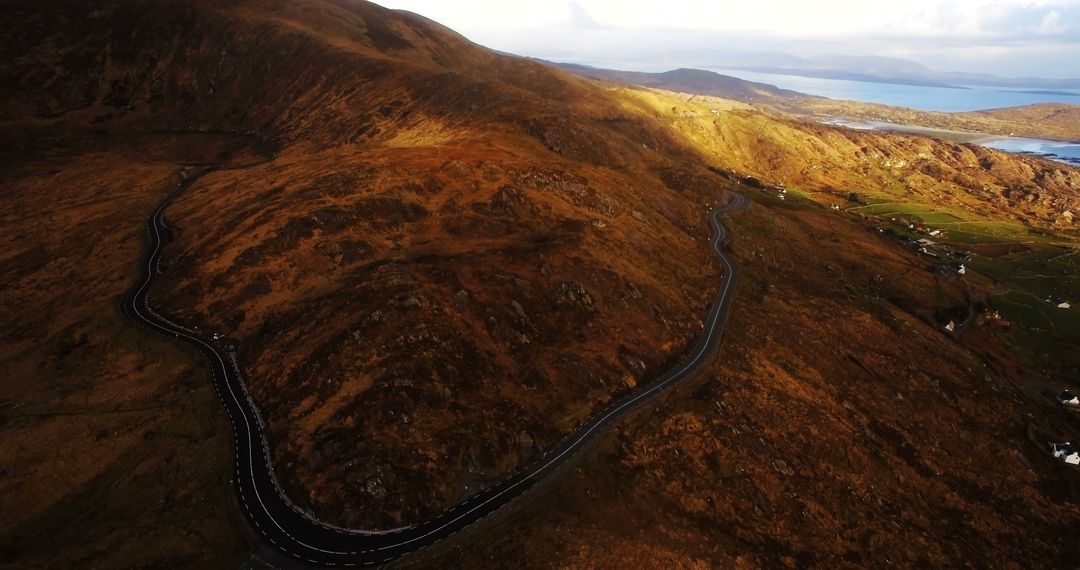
[[1060, 151], [912, 96], [1066, 152]]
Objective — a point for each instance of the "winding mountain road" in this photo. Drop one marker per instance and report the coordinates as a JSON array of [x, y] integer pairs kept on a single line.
[[287, 528]]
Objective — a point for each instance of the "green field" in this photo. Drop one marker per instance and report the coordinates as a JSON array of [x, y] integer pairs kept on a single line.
[[927, 213], [1046, 337], [1044, 266], [986, 232], [962, 228]]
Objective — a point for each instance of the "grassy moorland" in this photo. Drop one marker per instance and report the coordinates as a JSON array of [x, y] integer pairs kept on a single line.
[[109, 432], [1057, 121], [832, 429], [1031, 269], [1014, 216], [453, 258]]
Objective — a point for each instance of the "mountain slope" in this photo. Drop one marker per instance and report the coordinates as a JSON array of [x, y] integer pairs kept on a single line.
[[836, 161], [454, 258], [1063, 120], [1049, 120], [1054, 121], [435, 261]]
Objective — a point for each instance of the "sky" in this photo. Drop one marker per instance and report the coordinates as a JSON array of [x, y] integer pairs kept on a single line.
[[1012, 38]]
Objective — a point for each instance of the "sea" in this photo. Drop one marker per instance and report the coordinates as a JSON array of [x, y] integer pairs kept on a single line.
[[1068, 153], [925, 98]]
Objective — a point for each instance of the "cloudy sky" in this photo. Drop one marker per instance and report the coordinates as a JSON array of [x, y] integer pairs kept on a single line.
[[1004, 37]]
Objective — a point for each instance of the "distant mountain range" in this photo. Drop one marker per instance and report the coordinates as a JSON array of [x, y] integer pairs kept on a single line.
[[1057, 121], [688, 81], [874, 69]]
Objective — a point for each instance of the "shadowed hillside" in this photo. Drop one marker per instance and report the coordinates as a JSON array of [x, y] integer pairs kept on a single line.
[[435, 261], [454, 258]]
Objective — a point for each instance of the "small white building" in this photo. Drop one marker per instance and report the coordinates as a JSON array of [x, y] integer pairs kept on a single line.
[[1067, 398], [935, 233], [962, 269], [1057, 302], [1064, 452], [951, 326]]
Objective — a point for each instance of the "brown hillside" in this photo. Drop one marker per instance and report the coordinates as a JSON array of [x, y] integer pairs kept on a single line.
[[1058, 121], [108, 433], [837, 428], [1055, 121], [834, 162], [453, 260], [436, 261], [1064, 120]]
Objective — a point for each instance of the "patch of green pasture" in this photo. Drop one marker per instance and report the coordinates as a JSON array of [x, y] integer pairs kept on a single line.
[[1044, 335]]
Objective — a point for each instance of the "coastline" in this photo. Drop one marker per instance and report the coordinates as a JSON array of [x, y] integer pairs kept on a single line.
[[1005, 143]]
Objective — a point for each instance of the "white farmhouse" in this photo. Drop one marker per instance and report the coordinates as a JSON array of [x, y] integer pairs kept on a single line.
[[1058, 302], [1064, 452], [1067, 398]]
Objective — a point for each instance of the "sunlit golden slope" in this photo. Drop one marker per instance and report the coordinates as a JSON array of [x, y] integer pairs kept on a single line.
[[833, 162]]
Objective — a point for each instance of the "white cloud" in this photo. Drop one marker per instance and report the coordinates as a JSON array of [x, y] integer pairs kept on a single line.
[[1052, 24], [651, 31]]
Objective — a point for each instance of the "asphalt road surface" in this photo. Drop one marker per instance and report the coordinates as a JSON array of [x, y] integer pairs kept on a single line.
[[286, 528]]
